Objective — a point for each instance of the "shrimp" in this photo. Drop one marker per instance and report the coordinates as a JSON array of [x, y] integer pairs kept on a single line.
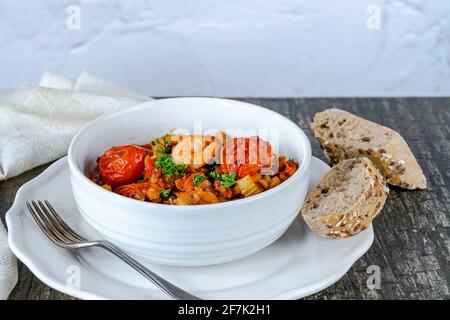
[[210, 151], [189, 151], [221, 137], [175, 138], [215, 144], [196, 150]]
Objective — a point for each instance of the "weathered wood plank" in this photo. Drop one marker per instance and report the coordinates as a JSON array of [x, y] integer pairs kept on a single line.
[[412, 235]]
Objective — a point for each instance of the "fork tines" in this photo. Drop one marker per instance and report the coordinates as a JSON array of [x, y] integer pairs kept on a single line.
[[52, 225]]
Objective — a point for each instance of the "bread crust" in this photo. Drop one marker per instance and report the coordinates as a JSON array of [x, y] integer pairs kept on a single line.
[[355, 217], [339, 134]]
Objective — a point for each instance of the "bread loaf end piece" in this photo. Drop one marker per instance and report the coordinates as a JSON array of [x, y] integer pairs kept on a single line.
[[346, 200], [343, 135]]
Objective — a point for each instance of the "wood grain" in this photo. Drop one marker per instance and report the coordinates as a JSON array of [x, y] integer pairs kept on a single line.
[[412, 234]]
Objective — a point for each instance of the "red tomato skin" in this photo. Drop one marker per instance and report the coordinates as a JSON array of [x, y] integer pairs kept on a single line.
[[122, 165], [248, 170], [134, 190], [246, 156], [149, 164], [227, 168]]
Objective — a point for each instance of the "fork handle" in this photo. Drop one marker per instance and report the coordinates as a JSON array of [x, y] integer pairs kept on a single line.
[[169, 288]]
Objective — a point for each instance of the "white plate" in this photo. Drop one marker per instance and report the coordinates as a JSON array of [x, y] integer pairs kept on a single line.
[[296, 265]]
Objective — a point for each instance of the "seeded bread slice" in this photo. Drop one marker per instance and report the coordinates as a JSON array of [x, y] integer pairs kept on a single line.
[[343, 135], [346, 200]]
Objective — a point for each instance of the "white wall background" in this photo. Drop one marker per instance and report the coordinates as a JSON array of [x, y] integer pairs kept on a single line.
[[234, 47]]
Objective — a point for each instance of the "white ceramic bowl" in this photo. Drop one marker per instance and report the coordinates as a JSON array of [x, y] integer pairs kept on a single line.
[[188, 235]]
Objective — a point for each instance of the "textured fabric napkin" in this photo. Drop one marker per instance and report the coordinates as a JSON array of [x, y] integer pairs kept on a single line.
[[37, 124], [8, 266]]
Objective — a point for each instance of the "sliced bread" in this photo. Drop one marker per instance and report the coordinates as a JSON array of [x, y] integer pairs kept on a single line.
[[343, 136], [346, 200]]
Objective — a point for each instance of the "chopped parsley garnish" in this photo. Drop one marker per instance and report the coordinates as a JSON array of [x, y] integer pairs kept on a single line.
[[198, 178], [162, 145], [160, 149], [166, 142], [165, 163], [214, 175], [227, 180], [164, 193]]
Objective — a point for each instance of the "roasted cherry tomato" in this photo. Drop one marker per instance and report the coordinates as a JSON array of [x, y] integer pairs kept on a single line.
[[246, 156], [122, 165]]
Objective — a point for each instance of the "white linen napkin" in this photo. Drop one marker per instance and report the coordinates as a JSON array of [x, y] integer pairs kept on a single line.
[[8, 266], [37, 124]]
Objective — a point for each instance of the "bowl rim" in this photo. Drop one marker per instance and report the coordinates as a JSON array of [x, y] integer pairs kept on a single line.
[[75, 170]]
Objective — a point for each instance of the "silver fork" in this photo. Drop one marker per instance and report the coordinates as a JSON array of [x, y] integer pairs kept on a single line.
[[62, 235]]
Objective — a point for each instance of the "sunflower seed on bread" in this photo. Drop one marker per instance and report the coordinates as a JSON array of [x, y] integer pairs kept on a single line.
[[346, 200], [344, 135]]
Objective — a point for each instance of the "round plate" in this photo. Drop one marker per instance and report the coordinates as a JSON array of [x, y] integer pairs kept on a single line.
[[298, 264]]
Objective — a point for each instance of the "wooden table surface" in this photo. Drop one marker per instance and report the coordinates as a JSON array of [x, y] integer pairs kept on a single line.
[[412, 234]]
